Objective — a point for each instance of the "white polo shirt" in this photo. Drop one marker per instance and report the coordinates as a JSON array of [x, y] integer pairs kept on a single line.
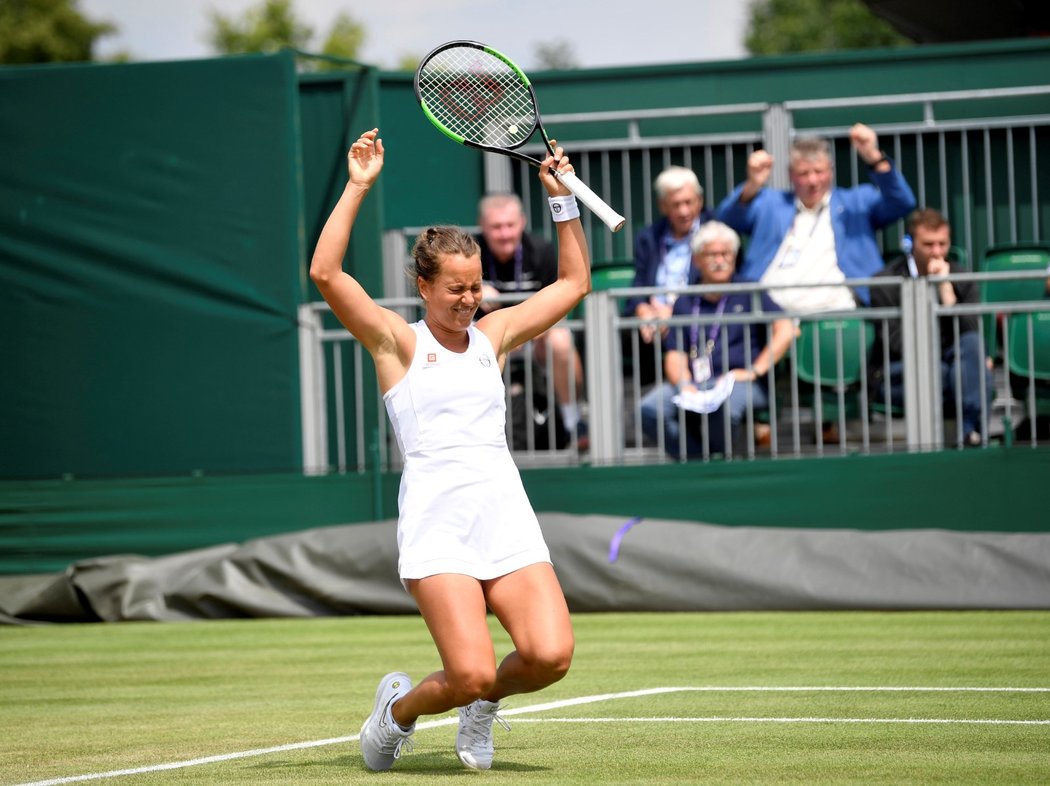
[[807, 256]]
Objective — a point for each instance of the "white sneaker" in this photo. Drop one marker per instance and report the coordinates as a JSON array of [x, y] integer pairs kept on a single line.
[[474, 738], [382, 740]]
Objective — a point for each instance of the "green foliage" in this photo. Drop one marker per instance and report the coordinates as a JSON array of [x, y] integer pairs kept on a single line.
[[779, 27], [555, 55], [47, 31], [344, 40], [267, 27]]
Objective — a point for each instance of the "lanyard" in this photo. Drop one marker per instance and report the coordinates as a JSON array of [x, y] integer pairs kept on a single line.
[[712, 331], [793, 251], [518, 253]]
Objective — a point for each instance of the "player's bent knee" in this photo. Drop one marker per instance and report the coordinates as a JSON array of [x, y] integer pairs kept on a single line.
[[551, 665], [464, 687]]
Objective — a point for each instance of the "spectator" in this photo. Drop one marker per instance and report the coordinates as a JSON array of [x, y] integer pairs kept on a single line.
[[516, 262], [930, 241], [816, 234], [662, 249], [697, 358]]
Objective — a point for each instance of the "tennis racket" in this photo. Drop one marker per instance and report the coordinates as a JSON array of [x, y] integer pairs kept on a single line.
[[480, 98]]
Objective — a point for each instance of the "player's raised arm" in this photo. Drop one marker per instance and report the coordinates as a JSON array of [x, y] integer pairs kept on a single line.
[[511, 327], [375, 327]]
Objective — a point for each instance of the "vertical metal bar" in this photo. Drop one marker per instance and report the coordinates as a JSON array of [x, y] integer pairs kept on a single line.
[[1034, 175], [796, 435], [957, 369], [887, 388], [920, 154], [862, 353], [988, 186], [942, 165], [818, 393], [606, 180], [340, 409], [910, 362], [840, 372], [1030, 330], [313, 405], [359, 406], [627, 202], [709, 189], [606, 422], [1010, 183], [967, 196], [647, 182]]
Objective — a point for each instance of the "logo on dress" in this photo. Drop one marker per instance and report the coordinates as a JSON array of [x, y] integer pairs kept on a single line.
[[485, 361], [432, 357]]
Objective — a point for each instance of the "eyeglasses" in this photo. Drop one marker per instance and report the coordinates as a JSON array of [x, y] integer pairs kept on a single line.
[[726, 254]]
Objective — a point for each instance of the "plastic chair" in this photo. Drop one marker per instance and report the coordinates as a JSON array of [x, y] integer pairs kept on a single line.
[[820, 364], [1011, 258], [1036, 367], [612, 276]]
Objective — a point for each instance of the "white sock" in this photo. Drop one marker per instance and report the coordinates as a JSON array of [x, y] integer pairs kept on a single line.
[[570, 415]]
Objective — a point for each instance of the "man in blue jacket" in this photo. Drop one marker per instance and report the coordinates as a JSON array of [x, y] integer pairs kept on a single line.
[[815, 233]]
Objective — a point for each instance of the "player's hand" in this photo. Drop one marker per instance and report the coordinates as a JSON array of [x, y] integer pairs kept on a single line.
[[866, 142], [365, 159], [759, 168], [559, 162]]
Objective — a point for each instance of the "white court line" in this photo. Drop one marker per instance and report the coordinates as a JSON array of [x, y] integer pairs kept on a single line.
[[719, 719], [554, 705]]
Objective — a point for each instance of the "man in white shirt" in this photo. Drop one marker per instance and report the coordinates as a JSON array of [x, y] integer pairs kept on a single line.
[[816, 234]]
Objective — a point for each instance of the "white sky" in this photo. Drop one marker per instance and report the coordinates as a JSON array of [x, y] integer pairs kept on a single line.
[[601, 32]]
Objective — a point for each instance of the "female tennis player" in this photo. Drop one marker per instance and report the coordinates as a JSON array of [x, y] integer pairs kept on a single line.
[[468, 538]]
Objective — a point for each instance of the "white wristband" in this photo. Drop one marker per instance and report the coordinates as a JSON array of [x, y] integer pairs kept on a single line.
[[564, 208]]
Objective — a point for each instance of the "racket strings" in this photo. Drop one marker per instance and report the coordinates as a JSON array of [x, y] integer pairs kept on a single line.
[[478, 97]]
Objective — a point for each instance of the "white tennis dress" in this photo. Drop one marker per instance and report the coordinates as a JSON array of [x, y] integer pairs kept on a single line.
[[462, 508]]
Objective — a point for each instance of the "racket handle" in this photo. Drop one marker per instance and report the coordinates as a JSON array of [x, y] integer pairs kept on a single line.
[[610, 217]]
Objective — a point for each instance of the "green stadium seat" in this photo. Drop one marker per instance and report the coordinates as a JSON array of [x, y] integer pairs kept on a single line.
[[1036, 365], [818, 362], [1011, 258]]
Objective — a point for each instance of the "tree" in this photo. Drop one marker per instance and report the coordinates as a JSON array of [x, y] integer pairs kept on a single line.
[[785, 26], [555, 56], [47, 31], [267, 27], [344, 40], [273, 25]]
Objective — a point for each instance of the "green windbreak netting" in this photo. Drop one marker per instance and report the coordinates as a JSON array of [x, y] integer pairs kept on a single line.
[[150, 255]]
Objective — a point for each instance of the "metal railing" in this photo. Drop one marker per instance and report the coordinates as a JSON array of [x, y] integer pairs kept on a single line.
[[810, 412]]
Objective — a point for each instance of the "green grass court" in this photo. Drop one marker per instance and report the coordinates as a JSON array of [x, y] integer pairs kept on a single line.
[[81, 700]]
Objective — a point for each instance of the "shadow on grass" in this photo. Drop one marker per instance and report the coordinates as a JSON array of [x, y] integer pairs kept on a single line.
[[412, 764]]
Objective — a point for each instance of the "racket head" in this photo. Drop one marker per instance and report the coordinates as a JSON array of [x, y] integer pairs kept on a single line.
[[477, 96]]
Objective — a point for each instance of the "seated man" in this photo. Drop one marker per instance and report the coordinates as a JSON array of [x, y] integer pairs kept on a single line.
[[706, 358], [930, 240], [661, 250], [512, 262]]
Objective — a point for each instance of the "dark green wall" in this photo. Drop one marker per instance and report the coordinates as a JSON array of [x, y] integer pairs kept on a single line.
[[45, 525], [149, 268]]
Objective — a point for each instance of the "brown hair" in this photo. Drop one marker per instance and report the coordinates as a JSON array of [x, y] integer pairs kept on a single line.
[[435, 243], [926, 217]]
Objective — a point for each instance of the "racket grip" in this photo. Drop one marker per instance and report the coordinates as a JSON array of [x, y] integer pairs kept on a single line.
[[597, 205]]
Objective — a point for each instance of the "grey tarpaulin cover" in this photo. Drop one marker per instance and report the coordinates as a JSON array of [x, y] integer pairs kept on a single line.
[[653, 565]]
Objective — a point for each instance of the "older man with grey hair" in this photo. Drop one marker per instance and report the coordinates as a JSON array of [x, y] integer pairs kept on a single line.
[[721, 367], [661, 250]]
